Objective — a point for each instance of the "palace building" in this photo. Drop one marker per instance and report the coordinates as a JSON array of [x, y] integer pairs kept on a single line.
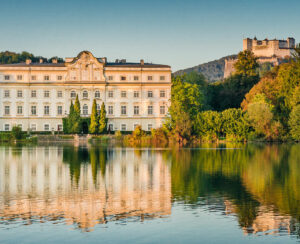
[[36, 96]]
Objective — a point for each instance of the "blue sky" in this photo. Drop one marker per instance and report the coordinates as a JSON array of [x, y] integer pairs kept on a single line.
[[179, 33]]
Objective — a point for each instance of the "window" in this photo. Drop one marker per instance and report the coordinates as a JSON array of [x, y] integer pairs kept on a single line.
[[19, 93], [110, 127], [6, 110], [85, 94], [20, 126], [136, 110], [33, 127], [6, 93], [33, 77], [97, 94], [59, 127], [135, 125], [6, 77], [110, 110], [46, 127], [123, 110], [46, 110], [162, 77], [123, 93], [150, 110], [149, 127], [33, 93], [46, 77], [59, 77], [19, 77], [162, 109], [46, 94], [123, 127], [59, 94], [162, 93], [6, 127], [136, 94], [73, 94], [85, 109], [150, 94], [110, 93], [59, 110], [135, 77], [123, 77], [98, 108], [33, 110], [150, 77], [19, 110], [110, 77]]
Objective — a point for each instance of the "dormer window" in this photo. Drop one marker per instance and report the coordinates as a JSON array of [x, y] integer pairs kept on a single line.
[[85, 94]]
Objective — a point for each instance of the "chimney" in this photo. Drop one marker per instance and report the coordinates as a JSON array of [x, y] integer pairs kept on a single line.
[[117, 61], [142, 62], [123, 61], [41, 60], [104, 60], [54, 61], [28, 61]]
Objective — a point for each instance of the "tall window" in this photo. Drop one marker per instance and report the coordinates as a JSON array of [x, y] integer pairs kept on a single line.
[[59, 110], [46, 77], [123, 93], [110, 110], [162, 109], [97, 94], [136, 110], [19, 77], [19, 93], [46, 127], [85, 109], [19, 110], [6, 110], [59, 94], [46, 110], [136, 94], [162, 93], [6, 127], [150, 110], [150, 93], [6, 93], [123, 110], [98, 108], [46, 93], [85, 94], [73, 94], [6, 77], [110, 93], [33, 110], [123, 127], [33, 93], [150, 77]]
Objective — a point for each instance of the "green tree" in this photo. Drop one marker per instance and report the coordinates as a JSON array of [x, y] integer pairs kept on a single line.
[[77, 106], [93, 129], [294, 123], [246, 64], [73, 120], [102, 119]]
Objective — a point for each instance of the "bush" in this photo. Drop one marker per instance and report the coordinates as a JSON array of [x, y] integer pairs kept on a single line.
[[17, 133], [294, 123], [118, 134]]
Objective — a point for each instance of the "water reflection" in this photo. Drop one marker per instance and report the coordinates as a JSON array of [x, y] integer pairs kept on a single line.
[[85, 186]]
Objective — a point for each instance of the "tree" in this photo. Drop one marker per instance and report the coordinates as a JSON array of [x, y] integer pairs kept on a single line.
[[294, 123], [77, 106], [102, 119], [246, 64], [73, 121], [93, 129]]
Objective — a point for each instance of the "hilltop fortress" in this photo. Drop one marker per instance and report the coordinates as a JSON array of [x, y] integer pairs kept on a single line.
[[272, 51]]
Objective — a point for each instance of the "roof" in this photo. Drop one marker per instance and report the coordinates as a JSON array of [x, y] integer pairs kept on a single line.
[[34, 65]]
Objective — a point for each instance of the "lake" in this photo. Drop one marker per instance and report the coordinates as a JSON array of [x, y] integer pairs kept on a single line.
[[228, 193]]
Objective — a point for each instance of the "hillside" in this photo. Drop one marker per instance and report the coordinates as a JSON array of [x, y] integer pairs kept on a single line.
[[213, 70]]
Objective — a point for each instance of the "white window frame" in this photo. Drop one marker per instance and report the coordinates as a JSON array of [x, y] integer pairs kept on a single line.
[[6, 110], [33, 93], [150, 94], [110, 109], [5, 127], [6, 93], [85, 109], [6, 77], [46, 77], [45, 127], [123, 110], [136, 94], [136, 110], [97, 94], [110, 94], [73, 94], [150, 109], [162, 109], [19, 93], [149, 127], [19, 77], [59, 94], [162, 93], [35, 110], [46, 94], [123, 127], [33, 127], [46, 110], [59, 110], [123, 94], [85, 94], [19, 112]]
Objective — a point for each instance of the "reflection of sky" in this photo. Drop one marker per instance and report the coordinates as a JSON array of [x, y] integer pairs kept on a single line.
[[179, 33]]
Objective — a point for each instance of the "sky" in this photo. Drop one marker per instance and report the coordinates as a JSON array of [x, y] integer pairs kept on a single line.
[[181, 33]]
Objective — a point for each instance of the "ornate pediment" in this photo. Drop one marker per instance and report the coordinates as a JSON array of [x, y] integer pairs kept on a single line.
[[85, 67]]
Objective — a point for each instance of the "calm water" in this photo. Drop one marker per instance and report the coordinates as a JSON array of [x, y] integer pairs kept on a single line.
[[92, 194]]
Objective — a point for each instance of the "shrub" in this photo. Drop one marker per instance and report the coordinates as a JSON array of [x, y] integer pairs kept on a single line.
[[294, 123], [17, 133]]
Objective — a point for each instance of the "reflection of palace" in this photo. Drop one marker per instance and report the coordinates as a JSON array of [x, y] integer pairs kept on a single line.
[[35, 184]]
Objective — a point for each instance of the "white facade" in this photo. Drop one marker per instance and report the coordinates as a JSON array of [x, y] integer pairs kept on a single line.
[[37, 96]]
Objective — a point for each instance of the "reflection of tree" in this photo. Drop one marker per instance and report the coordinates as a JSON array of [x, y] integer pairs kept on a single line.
[[248, 177]]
